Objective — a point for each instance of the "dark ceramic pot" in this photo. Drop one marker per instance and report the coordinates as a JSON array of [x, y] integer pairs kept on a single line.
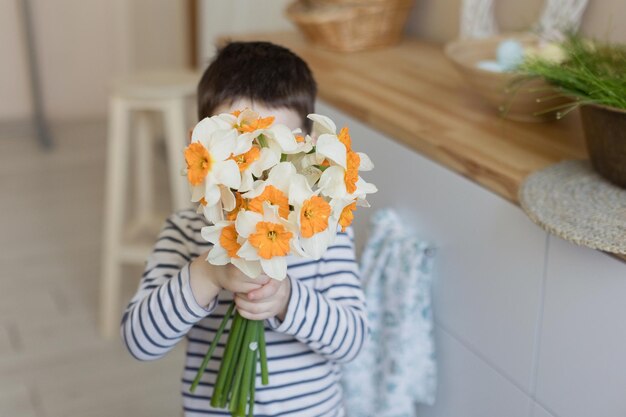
[[605, 134]]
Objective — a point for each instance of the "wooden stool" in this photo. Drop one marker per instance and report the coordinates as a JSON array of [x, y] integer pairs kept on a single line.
[[137, 99]]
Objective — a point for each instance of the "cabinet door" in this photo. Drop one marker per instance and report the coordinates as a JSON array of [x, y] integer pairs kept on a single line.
[[582, 360], [490, 256]]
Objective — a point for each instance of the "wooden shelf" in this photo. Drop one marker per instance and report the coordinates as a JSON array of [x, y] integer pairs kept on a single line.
[[412, 93]]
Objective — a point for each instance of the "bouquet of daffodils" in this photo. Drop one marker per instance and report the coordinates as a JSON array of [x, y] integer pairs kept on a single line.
[[269, 192]]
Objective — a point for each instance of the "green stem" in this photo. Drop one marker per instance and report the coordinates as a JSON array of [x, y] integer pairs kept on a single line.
[[262, 141], [263, 354], [244, 389], [209, 353], [226, 360], [253, 375], [225, 396], [241, 363]]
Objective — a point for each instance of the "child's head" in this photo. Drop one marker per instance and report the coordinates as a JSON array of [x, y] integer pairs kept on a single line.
[[266, 77]]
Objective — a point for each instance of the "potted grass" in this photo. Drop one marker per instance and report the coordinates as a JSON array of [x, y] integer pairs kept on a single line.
[[594, 74]]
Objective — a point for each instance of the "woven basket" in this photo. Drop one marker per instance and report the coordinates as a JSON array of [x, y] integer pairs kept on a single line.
[[354, 27]]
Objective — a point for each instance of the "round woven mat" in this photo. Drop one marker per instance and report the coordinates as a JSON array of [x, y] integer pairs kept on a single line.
[[573, 202]]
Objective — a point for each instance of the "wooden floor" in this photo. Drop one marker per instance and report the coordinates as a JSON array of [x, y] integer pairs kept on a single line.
[[52, 361]]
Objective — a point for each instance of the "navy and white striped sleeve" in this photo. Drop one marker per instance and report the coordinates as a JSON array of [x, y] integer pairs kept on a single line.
[[329, 317], [164, 307]]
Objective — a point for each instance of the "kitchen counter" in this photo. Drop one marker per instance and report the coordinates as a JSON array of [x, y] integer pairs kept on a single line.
[[412, 93]]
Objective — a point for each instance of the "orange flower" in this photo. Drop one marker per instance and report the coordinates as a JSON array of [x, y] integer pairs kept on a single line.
[[270, 239], [347, 216], [260, 123], [314, 216], [203, 201], [198, 163], [352, 172], [240, 204], [344, 137], [228, 240], [275, 197], [299, 138], [236, 113], [245, 159]]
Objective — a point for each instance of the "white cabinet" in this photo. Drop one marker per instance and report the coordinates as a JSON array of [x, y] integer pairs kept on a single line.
[[582, 355], [489, 293]]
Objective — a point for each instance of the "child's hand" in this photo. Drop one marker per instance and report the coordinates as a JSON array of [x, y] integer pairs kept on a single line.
[[208, 280], [270, 300]]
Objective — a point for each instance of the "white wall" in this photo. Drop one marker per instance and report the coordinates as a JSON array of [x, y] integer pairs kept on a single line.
[[81, 46], [220, 17]]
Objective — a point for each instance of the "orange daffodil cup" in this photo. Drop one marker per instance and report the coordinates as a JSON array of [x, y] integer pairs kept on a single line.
[[269, 193]]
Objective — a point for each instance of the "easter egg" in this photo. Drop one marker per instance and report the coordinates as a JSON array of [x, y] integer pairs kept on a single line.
[[510, 54]]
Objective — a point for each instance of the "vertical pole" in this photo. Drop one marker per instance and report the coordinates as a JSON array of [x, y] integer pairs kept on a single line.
[[39, 118]]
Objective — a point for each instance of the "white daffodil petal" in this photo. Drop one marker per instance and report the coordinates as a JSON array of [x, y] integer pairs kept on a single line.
[[330, 147], [312, 175], [228, 199], [222, 144], [299, 190], [251, 268], [243, 143], [284, 137], [246, 181], [366, 163], [211, 233], [297, 248], [246, 222], [332, 183], [275, 267], [280, 176], [203, 130], [270, 213], [227, 173], [257, 189], [316, 245], [197, 192], [248, 252], [214, 213], [218, 256], [363, 188], [322, 124], [211, 193], [267, 159]]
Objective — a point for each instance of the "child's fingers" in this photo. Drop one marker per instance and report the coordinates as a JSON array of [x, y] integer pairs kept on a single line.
[[238, 286], [244, 305], [252, 316], [265, 291]]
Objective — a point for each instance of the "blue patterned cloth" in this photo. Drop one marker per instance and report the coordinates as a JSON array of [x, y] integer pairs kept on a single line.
[[396, 369]]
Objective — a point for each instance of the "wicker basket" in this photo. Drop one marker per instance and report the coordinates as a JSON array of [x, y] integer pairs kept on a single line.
[[353, 27], [514, 104]]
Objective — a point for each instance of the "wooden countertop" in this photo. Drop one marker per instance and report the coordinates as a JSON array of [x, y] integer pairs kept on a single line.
[[412, 93]]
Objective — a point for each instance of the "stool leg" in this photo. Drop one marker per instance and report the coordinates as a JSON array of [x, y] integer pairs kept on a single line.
[[144, 188], [116, 190], [175, 142]]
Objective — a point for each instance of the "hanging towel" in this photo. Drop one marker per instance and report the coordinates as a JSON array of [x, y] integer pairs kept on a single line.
[[396, 369]]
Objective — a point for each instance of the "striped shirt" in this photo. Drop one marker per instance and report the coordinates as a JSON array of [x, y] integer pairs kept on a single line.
[[325, 324]]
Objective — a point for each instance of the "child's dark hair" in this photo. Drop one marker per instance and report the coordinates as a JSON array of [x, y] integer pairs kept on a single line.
[[259, 71]]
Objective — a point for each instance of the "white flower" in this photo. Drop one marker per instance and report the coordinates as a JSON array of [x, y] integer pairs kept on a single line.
[[312, 215], [269, 240], [208, 162], [226, 242]]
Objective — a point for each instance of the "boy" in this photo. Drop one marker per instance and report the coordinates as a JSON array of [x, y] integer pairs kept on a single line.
[[315, 318]]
